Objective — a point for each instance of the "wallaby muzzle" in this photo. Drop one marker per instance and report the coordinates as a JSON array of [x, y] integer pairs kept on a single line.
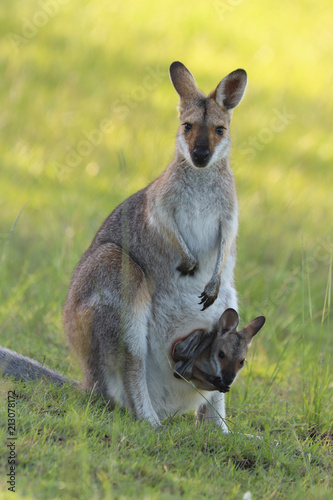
[[218, 383], [203, 380], [200, 156]]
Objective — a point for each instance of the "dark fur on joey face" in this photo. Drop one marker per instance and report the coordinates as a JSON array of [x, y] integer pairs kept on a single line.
[[217, 367], [226, 359], [218, 383]]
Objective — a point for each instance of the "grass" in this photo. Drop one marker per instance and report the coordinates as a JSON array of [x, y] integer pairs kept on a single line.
[[97, 72]]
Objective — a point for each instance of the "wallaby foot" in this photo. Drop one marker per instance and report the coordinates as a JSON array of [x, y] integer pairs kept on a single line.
[[213, 412], [135, 386]]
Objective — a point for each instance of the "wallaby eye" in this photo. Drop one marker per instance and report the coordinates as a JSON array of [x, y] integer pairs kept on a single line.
[[222, 355], [187, 127], [220, 130], [242, 361]]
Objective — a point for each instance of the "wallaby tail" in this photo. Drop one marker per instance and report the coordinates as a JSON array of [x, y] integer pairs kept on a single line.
[[23, 368]]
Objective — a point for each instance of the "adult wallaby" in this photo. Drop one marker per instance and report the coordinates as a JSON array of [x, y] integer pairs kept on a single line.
[[136, 288]]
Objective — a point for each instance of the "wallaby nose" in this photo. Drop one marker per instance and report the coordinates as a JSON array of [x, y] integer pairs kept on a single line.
[[201, 155], [228, 380]]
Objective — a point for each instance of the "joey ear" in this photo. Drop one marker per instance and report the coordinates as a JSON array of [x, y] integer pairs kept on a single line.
[[230, 90], [228, 322], [187, 351], [185, 348], [253, 328], [183, 81]]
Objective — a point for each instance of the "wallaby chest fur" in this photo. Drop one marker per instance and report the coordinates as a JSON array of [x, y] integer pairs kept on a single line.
[[137, 287], [199, 203]]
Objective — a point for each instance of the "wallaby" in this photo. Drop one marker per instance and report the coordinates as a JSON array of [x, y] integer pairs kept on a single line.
[[136, 288]]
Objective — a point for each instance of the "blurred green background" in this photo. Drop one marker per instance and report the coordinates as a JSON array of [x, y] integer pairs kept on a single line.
[[88, 116]]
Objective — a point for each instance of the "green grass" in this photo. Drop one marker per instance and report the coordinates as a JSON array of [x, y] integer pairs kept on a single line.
[[86, 65]]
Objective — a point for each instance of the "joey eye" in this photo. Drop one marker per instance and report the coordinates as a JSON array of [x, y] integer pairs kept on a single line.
[[187, 127], [220, 130], [242, 361], [222, 354]]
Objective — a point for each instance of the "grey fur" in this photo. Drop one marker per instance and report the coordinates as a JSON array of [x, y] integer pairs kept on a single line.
[[24, 368]]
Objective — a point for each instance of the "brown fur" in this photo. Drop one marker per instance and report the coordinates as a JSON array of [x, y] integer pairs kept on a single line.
[[79, 311], [204, 120]]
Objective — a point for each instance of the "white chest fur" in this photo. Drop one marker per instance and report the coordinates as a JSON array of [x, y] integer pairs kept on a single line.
[[198, 223]]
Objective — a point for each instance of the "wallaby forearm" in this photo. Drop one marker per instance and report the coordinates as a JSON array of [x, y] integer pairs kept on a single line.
[[225, 243], [173, 241]]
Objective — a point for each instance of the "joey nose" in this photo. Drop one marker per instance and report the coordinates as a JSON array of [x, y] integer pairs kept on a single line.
[[228, 380], [200, 156]]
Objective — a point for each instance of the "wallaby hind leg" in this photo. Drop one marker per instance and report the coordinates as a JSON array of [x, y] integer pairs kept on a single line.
[[124, 373], [213, 412], [106, 318]]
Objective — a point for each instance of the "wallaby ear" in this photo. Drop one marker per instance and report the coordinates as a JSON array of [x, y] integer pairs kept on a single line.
[[230, 90], [186, 352], [185, 348], [183, 81], [228, 322], [253, 328]]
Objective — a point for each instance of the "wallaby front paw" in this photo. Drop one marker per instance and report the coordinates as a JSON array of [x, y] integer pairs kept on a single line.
[[209, 295], [187, 267]]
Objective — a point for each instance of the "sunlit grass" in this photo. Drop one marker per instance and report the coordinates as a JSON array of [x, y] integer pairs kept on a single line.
[[95, 63]]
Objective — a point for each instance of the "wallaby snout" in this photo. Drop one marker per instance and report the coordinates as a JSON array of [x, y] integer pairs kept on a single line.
[[201, 156], [218, 383], [228, 380]]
